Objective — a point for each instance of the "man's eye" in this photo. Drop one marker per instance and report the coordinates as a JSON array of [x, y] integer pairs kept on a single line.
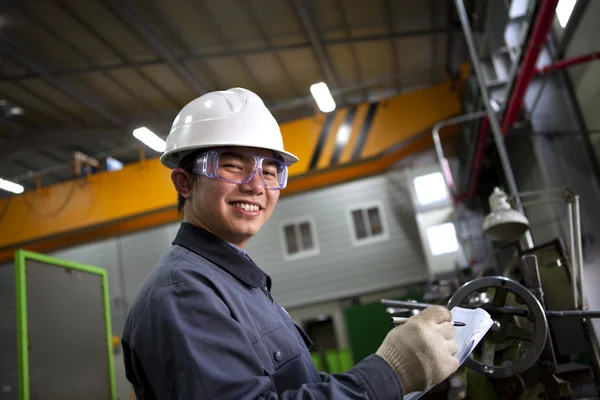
[[233, 166]]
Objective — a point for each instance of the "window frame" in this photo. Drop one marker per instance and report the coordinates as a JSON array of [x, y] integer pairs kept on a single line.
[[369, 239], [302, 253]]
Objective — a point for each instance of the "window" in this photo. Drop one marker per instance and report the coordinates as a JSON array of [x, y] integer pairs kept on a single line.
[[564, 9], [442, 239], [299, 239], [367, 224], [430, 188]]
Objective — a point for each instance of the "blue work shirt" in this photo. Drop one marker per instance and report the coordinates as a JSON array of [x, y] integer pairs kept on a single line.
[[205, 326]]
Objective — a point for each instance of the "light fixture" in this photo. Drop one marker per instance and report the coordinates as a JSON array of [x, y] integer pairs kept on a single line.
[[322, 96], [16, 111], [564, 10], [11, 186], [150, 139], [503, 224], [112, 164]]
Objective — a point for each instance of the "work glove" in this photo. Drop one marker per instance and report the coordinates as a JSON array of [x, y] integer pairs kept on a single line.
[[422, 351]]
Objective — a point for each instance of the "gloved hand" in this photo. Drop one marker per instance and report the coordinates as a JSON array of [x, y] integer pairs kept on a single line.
[[422, 351]]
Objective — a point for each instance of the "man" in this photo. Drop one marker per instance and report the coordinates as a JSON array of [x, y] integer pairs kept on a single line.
[[205, 325]]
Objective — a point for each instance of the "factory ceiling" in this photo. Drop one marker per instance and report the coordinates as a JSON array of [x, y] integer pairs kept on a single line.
[[81, 75]]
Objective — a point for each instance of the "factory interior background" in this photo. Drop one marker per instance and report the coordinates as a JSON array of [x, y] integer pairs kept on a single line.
[[435, 105]]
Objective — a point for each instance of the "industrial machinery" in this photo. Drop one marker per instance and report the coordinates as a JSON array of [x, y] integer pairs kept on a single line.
[[539, 345]]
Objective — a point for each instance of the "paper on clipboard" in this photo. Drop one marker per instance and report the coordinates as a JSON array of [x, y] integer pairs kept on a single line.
[[478, 322]]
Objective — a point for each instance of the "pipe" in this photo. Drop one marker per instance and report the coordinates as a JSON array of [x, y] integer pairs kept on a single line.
[[497, 310], [439, 151], [579, 251], [462, 13], [574, 270], [541, 29], [495, 125], [483, 132], [566, 63]]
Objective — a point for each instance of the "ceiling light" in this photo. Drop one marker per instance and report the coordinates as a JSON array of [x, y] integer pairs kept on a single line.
[[564, 10], [322, 96], [11, 186], [112, 164], [150, 139], [16, 111]]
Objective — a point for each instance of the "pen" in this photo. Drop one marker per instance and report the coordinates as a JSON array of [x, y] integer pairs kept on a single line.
[[401, 320]]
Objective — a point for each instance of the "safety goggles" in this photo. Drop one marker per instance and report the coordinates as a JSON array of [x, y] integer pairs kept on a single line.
[[237, 167]]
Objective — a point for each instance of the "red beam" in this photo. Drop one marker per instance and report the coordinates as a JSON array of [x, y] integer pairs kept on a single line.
[[537, 40], [543, 24], [562, 64]]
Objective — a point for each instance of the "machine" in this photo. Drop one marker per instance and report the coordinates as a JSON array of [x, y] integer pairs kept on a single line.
[[539, 346]]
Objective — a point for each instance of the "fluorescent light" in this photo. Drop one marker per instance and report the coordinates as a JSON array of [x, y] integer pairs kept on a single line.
[[343, 134], [442, 239], [322, 96], [430, 188], [564, 10], [112, 164], [150, 139], [11, 186]]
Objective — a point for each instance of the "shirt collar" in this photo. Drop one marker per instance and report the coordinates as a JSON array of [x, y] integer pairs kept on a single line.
[[225, 255]]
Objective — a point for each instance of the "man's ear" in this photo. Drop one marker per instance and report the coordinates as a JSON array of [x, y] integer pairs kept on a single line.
[[182, 182]]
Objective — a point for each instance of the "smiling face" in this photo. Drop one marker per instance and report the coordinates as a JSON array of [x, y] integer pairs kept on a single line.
[[234, 212]]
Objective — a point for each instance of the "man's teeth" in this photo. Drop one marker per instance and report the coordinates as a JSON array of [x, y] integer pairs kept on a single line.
[[246, 206]]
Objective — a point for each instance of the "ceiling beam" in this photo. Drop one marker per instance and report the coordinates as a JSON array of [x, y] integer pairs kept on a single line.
[[14, 126], [41, 22], [38, 139], [123, 59], [159, 48], [237, 53], [19, 54], [214, 25], [10, 149], [310, 27], [348, 33], [253, 17], [389, 21], [284, 111]]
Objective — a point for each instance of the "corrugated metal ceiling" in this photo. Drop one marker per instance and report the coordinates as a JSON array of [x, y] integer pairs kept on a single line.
[[86, 72]]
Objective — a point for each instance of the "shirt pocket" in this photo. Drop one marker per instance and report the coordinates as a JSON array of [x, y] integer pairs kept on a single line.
[[277, 346], [303, 337]]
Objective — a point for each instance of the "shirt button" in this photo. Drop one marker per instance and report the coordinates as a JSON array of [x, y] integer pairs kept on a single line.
[[277, 355]]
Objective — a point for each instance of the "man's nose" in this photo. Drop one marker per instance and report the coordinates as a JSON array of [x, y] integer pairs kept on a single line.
[[255, 185]]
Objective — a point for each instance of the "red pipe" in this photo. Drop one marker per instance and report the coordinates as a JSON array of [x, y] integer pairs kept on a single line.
[[562, 64], [543, 24], [541, 29], [484, 128]]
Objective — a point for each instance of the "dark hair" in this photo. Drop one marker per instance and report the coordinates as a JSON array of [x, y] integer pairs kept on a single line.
[[187, 163]]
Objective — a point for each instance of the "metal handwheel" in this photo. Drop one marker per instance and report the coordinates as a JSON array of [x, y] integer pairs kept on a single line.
[[516, 340]]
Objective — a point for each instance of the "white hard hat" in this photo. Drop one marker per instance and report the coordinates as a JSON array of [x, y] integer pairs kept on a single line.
[[234, 117]]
